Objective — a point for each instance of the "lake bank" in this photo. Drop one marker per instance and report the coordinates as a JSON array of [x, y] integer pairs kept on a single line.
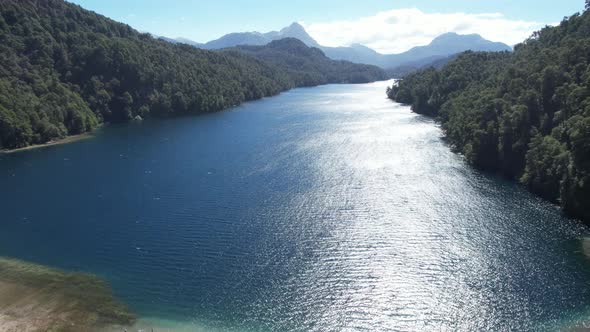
[[61, 141], [328, 208], [38, 298]]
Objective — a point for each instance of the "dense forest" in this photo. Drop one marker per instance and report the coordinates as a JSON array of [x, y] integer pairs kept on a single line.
[[524, 114], [65, 70], [308, 66]]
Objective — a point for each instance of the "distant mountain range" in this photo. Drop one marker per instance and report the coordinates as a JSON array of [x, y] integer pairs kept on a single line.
[[295, 30], [442, 48]]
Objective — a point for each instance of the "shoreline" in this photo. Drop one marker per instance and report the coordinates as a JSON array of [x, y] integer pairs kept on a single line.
[[582, 220], [90, 134], [38, 298], [61, 141]]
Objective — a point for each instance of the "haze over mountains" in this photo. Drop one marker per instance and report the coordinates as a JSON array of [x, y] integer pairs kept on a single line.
[[441, 48], [295, 30]]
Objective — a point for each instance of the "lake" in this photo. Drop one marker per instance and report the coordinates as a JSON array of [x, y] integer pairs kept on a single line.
[[322, 209]]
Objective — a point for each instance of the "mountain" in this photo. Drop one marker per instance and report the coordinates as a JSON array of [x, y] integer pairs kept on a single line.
[[180, 41], [309, 65], [524, 114], [440, 48], [355, 53], [189, 42], [235, 39], [436, 62], [65, 70], [295, 30], [446, 45]]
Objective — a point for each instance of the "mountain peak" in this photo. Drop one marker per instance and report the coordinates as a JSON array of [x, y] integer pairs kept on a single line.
[[448, 34], [453, 37], [470, 42], [296, 30], [294, 26]]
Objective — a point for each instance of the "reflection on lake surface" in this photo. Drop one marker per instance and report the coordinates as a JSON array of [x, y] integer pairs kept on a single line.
[[322, 209]]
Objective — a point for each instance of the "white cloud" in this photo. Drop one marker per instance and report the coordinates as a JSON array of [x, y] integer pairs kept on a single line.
[[398, 30]]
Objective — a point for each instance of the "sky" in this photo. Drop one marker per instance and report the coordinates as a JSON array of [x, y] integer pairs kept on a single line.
[[388, 26]]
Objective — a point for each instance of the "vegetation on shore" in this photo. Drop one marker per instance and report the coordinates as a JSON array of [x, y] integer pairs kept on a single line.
[[64, 70], [524, 114], [34, 297], [54, 142]]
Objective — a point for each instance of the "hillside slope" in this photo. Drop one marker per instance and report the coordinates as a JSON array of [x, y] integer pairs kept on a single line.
[[309, 66], [524, 114], [64, 70]]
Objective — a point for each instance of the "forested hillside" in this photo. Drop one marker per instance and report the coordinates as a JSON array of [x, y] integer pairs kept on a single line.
[[64, 70], [309, 66], [524, 114]]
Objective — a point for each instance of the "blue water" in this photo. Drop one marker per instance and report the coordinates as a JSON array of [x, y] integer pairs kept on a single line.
[[322, 209]]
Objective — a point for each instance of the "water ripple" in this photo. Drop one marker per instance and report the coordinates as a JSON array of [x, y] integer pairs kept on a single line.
[[325, 209]]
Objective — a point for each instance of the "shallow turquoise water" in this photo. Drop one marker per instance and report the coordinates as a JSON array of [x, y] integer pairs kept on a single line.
[[322, 209]]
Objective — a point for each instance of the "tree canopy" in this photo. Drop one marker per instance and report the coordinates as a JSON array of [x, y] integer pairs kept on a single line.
[[524, 114], [309, 66], [64, 70]]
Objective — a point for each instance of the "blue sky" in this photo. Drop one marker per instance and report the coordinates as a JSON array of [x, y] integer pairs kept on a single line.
[[206, 20]]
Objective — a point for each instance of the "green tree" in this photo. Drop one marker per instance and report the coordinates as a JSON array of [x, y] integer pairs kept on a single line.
[[524, 114], [64, 70]]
